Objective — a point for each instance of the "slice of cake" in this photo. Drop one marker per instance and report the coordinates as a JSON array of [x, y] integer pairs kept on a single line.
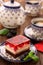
[[17, 44]]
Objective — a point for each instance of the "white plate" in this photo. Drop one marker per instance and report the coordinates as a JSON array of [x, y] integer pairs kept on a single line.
[[10, 58]]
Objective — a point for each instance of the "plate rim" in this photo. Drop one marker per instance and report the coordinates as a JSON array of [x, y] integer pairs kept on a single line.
[[18, 61], [30, 36]]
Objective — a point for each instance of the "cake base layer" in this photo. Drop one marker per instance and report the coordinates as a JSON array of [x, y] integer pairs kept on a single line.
[[18, 52]]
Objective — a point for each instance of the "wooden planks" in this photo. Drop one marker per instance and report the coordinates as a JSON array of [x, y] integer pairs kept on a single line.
[[41, 58], [20, 31]]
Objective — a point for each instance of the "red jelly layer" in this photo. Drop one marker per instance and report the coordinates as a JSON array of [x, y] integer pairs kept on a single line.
[[16, 47], [17, 41]]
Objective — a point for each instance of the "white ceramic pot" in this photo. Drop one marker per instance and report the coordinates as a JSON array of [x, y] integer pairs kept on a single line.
[[32, 7], [37, 27], [12, 14]]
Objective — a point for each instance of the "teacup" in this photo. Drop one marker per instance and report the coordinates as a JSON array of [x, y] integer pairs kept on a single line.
[[37, 27]]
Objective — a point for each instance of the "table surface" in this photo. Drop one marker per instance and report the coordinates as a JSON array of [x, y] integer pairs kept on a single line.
[[20, 31]]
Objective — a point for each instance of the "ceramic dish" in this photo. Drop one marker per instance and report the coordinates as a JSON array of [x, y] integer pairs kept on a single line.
[[33, 7], [12, 14], [9, 58], [28, 32], [37, 27]]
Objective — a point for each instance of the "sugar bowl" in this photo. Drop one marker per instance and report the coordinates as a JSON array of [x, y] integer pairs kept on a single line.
[[32, 7]]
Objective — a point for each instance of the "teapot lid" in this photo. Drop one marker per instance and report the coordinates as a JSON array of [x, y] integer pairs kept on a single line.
[[12, 4]]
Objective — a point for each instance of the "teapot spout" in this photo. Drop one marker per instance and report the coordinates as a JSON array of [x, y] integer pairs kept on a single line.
[[26, 12]]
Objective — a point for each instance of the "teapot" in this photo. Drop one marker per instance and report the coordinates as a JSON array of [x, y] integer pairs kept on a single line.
[[12, 14]]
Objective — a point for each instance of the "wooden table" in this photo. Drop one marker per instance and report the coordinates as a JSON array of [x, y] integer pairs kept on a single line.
[[20, 31]]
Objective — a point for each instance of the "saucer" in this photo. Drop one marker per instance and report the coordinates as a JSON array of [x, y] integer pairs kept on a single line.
[[28, 32]]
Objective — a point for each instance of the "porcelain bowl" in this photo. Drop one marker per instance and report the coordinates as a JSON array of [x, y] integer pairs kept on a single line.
[[37, 27]]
